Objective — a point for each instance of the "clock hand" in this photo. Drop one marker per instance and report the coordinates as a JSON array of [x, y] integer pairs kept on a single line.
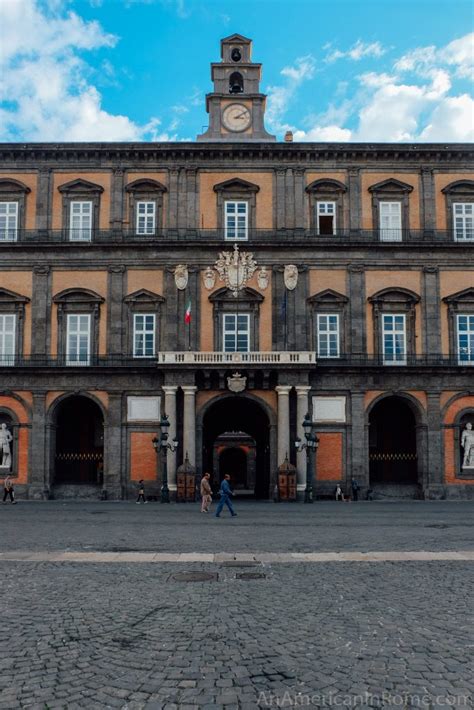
[[242, 115]]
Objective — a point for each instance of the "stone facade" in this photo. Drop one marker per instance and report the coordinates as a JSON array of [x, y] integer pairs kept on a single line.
[[351, 266]]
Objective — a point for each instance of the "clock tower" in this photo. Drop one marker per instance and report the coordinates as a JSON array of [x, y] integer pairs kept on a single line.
[[236, 107]]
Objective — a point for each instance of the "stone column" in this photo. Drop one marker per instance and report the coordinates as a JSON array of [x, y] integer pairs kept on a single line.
[[38, 480], [189, 423], [40, 308], [358, 438], [283, 445], [302, 407], [434, 474], [115, 475], [170, 410]]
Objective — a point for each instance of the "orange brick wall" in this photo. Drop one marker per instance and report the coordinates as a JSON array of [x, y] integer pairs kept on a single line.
[[145, 278], [320, 280], [101, 178], [329, 461], [143, 458], [21, 282]]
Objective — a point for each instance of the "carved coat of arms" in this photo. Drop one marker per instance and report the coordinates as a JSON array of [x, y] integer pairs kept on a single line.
[[290, 276], [235, 268], [237, 382], [181, 276]]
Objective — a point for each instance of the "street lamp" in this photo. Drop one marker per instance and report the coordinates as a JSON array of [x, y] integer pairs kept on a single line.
[[162, 445], [311, 446]]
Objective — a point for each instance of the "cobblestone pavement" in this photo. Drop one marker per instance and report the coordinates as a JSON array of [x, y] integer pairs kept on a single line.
[[131, 635], [323, 526]]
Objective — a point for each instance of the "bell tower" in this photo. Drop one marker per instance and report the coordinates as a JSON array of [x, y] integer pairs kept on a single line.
[[236, 107]]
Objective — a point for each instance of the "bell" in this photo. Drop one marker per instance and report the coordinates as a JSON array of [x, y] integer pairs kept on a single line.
[[235, 88]]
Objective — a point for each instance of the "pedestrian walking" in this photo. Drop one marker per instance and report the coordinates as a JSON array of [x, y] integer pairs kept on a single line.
[[8, 491], [141, 491], [355, 489], [338, 493], [226, 493], [206, 493]]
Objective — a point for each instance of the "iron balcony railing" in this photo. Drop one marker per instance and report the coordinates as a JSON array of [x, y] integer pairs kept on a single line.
[[203, 360], [382, 237]]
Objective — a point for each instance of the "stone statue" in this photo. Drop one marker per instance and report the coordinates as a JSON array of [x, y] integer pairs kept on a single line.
[[262, 278], [290, 276], [181, 276], [467, 443], [5, 438], [209, 278]]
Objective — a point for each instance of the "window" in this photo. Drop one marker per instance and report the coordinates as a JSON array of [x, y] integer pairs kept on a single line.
[[8, 221], [465, 338], [463, 221], [326, 217], [236, 332], [80, 225], [78, 345], [390, 222], [143, 335], [146, 217], [328, 335], [394, 339], [236, 220], [7, 338]]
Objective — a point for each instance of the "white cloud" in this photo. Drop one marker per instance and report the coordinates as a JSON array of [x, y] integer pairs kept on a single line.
[[279, 96], [45, 81], [325, 134], [358, 51], [458, 55], [455, 114]]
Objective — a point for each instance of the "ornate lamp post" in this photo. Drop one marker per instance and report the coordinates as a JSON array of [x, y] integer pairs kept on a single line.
[[311, 446], [162, 445]]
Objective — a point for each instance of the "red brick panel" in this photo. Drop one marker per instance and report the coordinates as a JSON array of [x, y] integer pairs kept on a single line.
[[142, 456], [329, 457]]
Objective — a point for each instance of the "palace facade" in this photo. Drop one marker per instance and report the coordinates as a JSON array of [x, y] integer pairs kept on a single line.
[[236, 283]]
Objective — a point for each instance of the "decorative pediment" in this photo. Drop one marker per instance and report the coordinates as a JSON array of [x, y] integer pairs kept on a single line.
[[328, 297], [236, 38], [391, 186], [326, 185], [10, 185], [7, 296], [460, 187], [236, 185], [143, 296], [81, 186], [77, 295], [145, 185], [249, 295], [395, 295], [462, 297]]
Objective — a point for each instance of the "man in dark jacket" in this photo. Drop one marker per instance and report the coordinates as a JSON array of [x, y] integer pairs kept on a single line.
[[225, 493]]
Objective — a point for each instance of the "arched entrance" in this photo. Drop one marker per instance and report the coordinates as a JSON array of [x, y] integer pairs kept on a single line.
[[393, 457], [79, 446], [236, 440]]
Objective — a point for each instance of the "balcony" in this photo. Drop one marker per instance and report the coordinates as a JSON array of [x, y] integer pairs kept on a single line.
[[184, 237], [203, 360]]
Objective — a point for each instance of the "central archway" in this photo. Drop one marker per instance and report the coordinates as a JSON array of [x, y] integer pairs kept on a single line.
[[79, 442], [240, 419]]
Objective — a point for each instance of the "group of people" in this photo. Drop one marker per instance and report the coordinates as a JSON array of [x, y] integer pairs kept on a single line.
[[225, 493], [355, 488]]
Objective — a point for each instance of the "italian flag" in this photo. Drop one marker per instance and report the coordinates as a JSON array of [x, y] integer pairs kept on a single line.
[[187, 314]]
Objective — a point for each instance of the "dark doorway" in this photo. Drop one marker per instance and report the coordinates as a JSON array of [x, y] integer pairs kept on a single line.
[[79, 442], [392, 443], [246, 419]]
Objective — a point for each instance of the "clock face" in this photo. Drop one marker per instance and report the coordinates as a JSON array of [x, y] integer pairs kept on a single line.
[[236, 117]]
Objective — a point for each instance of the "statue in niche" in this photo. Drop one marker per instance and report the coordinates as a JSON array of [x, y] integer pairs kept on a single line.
[[5, 439], [467, 443]]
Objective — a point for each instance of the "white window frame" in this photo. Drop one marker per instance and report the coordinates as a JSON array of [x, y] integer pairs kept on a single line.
[[239, 329], [463, 221], [140, 350], [80, 222], [468, 348], [391, 333], [7, 338], [236, 223], [392, 230], [145, 217], [328, 336], [8, 221], [76, 334], [322, 211]]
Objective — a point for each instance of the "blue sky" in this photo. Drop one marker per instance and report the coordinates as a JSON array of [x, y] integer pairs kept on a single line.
[[339, 70]]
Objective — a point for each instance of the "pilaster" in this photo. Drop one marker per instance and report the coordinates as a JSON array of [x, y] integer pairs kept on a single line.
[[39, 483], [355, 206], [189, 423], [43, 199], [40, 310], [431, 305], [170, 409], [302, 407], [357, 308], [116, 199], [283, 445], [359, 441], [115, 475], [115, 310]]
